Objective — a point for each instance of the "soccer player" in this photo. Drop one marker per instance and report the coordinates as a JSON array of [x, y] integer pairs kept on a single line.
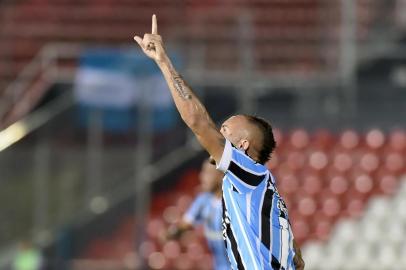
[[256, 225], [206, 210]]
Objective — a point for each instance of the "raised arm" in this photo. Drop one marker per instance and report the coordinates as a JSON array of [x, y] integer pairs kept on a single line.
[[192, 111]]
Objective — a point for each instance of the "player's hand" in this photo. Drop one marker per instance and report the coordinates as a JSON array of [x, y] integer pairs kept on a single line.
[[173, 233], [152, 44]]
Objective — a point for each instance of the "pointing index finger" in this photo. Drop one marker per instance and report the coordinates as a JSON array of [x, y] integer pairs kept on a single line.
[[154, 25]]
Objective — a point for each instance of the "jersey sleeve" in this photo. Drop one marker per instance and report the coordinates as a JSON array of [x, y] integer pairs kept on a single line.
[[242, 171], [194, 214]]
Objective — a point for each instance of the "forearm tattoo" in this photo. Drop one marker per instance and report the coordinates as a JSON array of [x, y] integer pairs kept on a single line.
[[180, 86]]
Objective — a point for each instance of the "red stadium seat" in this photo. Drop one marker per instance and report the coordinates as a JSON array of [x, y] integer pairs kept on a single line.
[[331, 207], [296, 160], [307, 206], [369, 162], [395, 162], [205, 263], [349, 139], [195, 251], [354, 206], [183, 262], [388, 184], [171, 249], [363, 184], [318, 160], [397, 140], [288, 184], [343, 162], [299, 139], [157, 260], [301, 229], [312, 184], [322, 227], [339, 185], [375, 139]]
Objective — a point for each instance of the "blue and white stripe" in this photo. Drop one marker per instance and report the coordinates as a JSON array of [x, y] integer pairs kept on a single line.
[[255, 220]]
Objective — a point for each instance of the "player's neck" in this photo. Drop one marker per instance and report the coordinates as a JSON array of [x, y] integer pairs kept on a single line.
[[252, 154]]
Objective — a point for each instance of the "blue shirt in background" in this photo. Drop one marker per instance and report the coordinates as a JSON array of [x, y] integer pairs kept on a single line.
[[207, 211]]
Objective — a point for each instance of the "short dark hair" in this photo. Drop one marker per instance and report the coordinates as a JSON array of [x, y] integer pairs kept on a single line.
[[268, 140]]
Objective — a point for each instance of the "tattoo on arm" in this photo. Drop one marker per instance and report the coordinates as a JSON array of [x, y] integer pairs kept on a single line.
[[180, 86]]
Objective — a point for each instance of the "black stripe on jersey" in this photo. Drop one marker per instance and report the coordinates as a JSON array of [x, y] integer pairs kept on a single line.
[[275, 263], [245, 176], [265, 218], [234, 249], [230, 236]]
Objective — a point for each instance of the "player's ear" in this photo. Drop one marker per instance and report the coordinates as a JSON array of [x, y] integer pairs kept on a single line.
[[244, 145]]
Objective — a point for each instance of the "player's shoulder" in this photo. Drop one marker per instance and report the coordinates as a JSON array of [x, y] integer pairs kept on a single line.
[[239, 161], [244, 160]]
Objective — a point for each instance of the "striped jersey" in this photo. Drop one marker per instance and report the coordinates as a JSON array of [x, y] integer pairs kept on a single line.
[[256, 226], [207, 210]]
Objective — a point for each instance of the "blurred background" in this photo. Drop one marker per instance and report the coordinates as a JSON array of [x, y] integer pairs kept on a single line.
[[95, 162]]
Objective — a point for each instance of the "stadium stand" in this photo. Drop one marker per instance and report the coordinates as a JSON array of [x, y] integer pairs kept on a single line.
[[331, 194], [297, 37]]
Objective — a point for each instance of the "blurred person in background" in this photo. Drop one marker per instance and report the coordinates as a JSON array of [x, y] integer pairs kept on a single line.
[[206, 210], [27, 257], [256, 226]]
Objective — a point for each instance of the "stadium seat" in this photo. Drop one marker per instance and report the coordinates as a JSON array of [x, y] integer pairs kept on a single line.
[[339, 185], [299, 139], [349, 139], [369, 162], [375, 139], [296, 160], [157, 260], [331, 207], [363, 184], [307, 206], [395, 162], [171, 249], [342, 162], [397, 140], [388, 183], [318, 160], [311, 184]]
